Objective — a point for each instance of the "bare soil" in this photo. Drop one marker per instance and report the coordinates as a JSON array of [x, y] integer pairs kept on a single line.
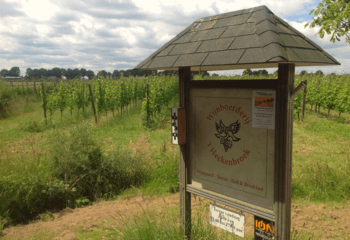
[[320, 221]]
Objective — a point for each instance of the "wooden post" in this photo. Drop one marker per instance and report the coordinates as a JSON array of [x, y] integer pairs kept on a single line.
[[303, 107], [147, 106], [283, 148], [83, 96], [35, 91], [318, 85], [92, 103], [185, 197], [44, 101]]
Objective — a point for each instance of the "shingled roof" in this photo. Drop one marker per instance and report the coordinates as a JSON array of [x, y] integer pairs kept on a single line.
[[249, 38]]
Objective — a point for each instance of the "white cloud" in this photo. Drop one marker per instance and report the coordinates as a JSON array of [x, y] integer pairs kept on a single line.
[[99, 34], [40, 10]]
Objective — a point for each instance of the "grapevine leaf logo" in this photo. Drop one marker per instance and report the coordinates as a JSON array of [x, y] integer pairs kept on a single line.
[[226, 134]]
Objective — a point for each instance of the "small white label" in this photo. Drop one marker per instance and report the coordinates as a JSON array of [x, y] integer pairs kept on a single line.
[[264, 103], [227, 220], [174, 126]]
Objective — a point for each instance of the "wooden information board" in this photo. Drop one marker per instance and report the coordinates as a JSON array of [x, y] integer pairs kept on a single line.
[[228, 155]]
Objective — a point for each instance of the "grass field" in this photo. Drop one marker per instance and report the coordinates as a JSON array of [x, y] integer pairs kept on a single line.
[[321, 156]]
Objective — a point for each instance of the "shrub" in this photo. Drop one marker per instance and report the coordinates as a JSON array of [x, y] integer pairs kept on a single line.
[[76, 159], [5, 97]]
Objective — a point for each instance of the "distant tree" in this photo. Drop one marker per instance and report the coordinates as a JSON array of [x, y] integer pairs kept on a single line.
[[63, 72], [76, 73], [43, 72], [116, 73], [260, 72], [319, 73], [14, 72], [36, 73], [109, 74], [302, 73], [69, 74], [103, 73], [247, 72], [28, 73], [83, 72], [90, 74], [124, 73], [57, 72], [4, 72]]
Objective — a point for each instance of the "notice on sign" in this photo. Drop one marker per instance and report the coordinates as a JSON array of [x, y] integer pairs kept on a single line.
[[264, 109], [227, 220]]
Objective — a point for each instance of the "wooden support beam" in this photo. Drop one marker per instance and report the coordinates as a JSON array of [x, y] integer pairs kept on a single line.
[[185, 197], [283, 147]]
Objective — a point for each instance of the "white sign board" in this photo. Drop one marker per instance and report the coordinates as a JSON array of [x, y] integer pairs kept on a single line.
[[264, 109], [227, 220], [228, 155]]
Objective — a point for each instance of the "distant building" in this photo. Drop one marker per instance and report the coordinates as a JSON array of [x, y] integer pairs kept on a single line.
[[13, 78]]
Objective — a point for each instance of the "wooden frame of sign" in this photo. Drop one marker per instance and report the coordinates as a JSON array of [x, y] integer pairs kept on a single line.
[[277, 204]]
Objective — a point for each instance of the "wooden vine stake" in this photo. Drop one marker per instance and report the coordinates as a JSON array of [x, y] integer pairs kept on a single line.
[[303, 107], [44, 101], [147, 91], [92, 103]]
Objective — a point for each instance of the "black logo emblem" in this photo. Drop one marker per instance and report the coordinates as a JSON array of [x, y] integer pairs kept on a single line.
[[226, 134]]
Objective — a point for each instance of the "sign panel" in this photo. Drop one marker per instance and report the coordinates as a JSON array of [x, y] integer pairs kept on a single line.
[[264, 109], [227, 154], [227, 220], [263, 229]]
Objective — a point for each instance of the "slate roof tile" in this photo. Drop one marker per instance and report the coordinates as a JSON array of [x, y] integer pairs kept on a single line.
[[269, 37], [186, 37], [223, 57], [203, 25], [283, 29], [252, 55], [248, 41], [309, 55], [166, 51], [254, 9], [163, 62], [215, 45], [184, 48], [239, 30], [302, 43], [208, 34], [232, 20], [224, 15], [261, 16], [249, 36], [195, 59], [277, 59], [292, 56], [264, 26], [274, 50]]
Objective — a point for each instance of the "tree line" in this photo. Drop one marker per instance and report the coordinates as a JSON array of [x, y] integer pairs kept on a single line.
[[81, 73]]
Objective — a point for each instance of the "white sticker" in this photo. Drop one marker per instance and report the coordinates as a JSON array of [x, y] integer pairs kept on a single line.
[[227, 220], [264, 103]]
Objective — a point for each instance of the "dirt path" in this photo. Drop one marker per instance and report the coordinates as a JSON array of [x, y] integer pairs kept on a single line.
[[319, 220]]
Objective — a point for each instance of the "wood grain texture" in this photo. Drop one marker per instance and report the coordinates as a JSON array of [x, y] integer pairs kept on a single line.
[[283, 157], [185, 197]]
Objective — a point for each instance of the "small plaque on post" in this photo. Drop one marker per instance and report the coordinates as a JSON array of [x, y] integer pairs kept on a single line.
[[178, 126], [227, 220]]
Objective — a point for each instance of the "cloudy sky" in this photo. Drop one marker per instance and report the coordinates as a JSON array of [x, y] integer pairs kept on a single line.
[[118, 34]]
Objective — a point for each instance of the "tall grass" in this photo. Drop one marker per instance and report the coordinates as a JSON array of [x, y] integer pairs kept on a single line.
[[159, 224]]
